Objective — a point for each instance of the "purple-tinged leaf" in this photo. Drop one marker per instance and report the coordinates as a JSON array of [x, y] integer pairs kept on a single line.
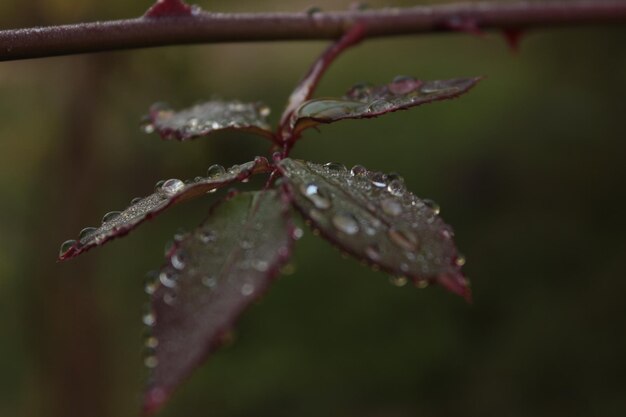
[[211, 276], [169, 8], [373, 217], [206, 118], [167, 193], [365, 101]]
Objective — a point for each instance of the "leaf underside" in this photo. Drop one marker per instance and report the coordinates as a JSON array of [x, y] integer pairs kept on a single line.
[[367, 101], [206, 118], [148, 207], [212, 274], [374, 218]]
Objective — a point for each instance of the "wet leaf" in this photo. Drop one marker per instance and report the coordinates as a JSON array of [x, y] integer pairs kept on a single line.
[[366, 101], [206, 118], [170, 192], [211, 276], [372, 216]]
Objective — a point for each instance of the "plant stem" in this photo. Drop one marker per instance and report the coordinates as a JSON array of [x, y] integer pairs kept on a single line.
[[206, 27]]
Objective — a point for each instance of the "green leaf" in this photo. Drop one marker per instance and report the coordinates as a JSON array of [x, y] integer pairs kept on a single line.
[[366, 101], [206, 118], [168, 193], [211, 276], [373, 216]]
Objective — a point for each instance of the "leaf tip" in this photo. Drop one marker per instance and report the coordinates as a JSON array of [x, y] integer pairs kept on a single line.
[[457, 284], [153, 401]]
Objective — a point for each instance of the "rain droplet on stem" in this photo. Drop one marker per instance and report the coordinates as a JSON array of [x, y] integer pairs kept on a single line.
[[85, 232], [398, 281], [432, 205], [67, 245], [358, 171], [112, 215]]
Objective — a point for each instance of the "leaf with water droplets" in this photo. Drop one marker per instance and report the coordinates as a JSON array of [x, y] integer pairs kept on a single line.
[[373, 216], [212, 275], [206, 118], [167, 193], [367, 101]]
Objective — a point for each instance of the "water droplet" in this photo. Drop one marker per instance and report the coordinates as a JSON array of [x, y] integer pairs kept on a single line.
[[151, 342], [398, 281], [112, 215], [316, 195], [178, 260], [151, 282], [460, 260], [151, 361], [261, 266], [148, 128], [135, 200], [172, 186], [169, 298], [391, 206], [158, 185], [216, 125], [373, 252], [207, 236], [404, 239], [404, 267], [168, 278], [209, 281], [396, 187], [335, 166], [297, 233], [67, 245], [421, 283], [403, 84], [432, 205], [85, 232], [264, 111], [247, 289], [149, 319], [215, 170], [346, 223], [358, 171], [378, 179]]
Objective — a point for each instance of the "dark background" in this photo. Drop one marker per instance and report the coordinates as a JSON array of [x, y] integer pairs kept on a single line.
[[528, 168]]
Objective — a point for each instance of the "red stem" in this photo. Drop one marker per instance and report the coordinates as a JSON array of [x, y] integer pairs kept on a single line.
[[305, 88], [243, 27]]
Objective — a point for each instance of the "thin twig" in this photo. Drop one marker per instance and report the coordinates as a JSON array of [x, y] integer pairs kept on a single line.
[[205, 27]]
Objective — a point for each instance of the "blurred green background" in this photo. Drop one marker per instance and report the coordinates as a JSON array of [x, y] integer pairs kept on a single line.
[[528, 168]]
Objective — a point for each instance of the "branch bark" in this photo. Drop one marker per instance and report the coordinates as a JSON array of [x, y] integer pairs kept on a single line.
[[206, 27]]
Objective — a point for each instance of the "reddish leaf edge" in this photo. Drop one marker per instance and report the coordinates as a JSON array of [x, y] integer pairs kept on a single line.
[[155, 398], [261, 165], [457, 283]]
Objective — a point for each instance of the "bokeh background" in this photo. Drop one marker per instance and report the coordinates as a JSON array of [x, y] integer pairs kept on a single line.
[[528, 168]]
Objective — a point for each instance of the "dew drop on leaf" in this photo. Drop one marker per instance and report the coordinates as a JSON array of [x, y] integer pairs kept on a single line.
[[168, 278], [398, 281], [379, 180], [178, 260], [65, 246], [215, 171], [358, 171], [112, 215], [151, 361], [432, 205], [172, 187], [396, 187], [346, 223], [86, 231], [460, 260], [316, 195], [391, 206], [151, 342], [149, 319], [335, 166], [247, 289]]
